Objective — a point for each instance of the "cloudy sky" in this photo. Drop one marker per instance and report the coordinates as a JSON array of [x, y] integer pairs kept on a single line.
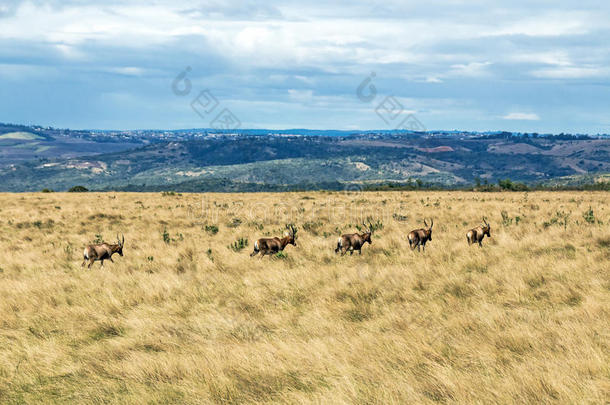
[[454, 64]]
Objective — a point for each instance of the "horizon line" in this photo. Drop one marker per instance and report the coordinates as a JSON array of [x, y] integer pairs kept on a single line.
[[304, 129]]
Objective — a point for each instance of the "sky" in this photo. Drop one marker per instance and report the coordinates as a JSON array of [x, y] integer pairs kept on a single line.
[[529, 66]]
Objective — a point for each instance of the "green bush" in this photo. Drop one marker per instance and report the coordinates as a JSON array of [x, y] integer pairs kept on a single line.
[[211, 229], [78, 189], [238, 245], [560, 218], [589, 216], [374, 226], [507, 184]]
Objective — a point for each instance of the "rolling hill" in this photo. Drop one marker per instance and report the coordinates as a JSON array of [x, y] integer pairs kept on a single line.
[[250, 162]]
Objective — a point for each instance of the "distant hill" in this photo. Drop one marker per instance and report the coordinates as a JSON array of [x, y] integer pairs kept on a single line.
[[19, 143], [193, 161]]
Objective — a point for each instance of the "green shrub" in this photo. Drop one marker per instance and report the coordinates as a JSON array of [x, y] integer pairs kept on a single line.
[[377, 225], [400, 218], [78, 189], [238, 245], [312, 227], [374, 226], [508, 184], [560, 218], [589, 216], [211, 229]]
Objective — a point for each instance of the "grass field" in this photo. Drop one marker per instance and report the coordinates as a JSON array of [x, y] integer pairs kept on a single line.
[[185, 318]]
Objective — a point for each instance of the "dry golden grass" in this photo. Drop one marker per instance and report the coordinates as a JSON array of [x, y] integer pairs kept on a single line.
[[522, 320]]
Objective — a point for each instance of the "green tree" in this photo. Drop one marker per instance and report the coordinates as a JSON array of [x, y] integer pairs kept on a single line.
[[78, 189]]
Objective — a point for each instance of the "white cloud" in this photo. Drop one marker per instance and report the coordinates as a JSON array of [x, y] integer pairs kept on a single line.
[[550, 24], [553, 58], [520, 116], [302, 96], [570, 72], [472, 69], [128, 71], [70, 52]]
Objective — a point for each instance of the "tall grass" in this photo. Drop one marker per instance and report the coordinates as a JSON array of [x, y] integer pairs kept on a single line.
[[184, 317]]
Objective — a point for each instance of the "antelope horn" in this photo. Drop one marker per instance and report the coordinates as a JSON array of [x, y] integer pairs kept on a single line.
[[123, 241], [484, 221], [425, 223], [431, 223], [293, 229], [370, 227]]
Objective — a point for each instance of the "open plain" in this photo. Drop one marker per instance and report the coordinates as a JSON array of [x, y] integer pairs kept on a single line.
[[187, 316]]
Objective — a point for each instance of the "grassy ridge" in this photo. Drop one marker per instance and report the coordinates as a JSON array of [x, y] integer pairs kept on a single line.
[[185, 318]]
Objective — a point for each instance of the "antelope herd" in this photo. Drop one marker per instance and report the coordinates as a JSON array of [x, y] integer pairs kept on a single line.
[[268, 246]]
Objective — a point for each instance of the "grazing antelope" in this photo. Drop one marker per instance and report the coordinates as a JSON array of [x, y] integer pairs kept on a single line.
[[419, 237], [103, 251], [354, 241], [267, 246], [477, 234]]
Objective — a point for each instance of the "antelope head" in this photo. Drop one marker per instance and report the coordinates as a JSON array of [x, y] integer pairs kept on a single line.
[[291, 234], [120, 243], [429, 230], [368, 231], [486, 228]]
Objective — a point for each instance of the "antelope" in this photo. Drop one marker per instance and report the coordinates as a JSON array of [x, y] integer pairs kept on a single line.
[[103, 251], [419, 237], [477, 234], [267, 246], [354, 241]]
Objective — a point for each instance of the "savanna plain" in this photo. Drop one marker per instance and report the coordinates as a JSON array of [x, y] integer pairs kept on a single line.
[[187, 316]]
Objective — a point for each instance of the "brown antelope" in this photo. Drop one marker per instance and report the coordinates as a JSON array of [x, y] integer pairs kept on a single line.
[[419, 237], [354, 241], [267, 246], [103, 251], [477, 234]]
